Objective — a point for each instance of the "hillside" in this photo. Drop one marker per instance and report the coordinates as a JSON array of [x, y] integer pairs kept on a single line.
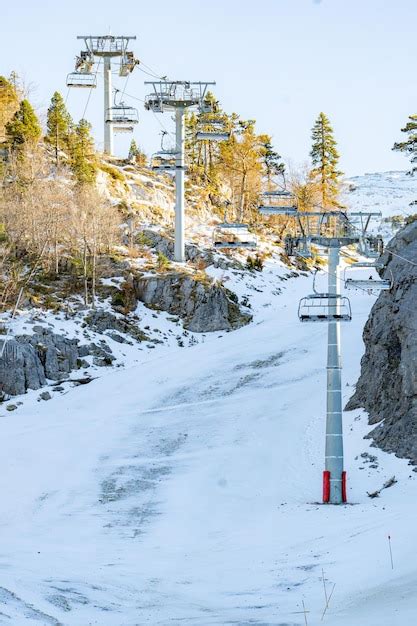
[[388, 192], [182, 483]]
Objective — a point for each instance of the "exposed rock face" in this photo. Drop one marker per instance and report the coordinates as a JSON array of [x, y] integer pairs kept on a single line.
[[165, 245], [203, 305], [100, 321], [387, 387], [29, 360]]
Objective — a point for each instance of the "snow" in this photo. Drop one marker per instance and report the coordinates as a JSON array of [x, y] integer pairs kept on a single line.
[[184, 486]]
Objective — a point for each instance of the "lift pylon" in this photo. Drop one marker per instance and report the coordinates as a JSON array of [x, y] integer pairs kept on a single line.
[[178, 95], [105, 48], [332, 230]]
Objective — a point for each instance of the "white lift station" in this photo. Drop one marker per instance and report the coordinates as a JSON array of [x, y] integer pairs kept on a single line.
[[331, 230]]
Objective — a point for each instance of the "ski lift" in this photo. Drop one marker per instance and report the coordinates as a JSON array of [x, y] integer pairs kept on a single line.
[[370, 285], [231, 235], [121, 116], [304, 249], [211, 135], [369, 264], [127, 64], [212, 130], [164, 160], [324, 307], [82, 80], [371, 246], [278, 202], [206, 106], [123, 129], [160, 164]]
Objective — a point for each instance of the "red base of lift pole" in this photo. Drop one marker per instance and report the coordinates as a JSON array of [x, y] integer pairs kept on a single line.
[[344, 498], [326, 487]]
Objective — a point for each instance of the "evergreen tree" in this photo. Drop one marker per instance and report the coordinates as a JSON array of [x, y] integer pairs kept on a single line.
[[271, 159], [82, 153], [133, 150], [24, 127], [409, 146], [325, 158], [9, 103], [136, 154], [58, 124]]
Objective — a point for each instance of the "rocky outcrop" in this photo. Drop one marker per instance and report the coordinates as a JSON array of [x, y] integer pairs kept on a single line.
[[165, 244], [387, 387], [29, 360], [102, 321], [203, 305]]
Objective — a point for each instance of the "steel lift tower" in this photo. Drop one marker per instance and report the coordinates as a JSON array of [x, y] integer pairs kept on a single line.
[[106, 48], [178, 95], [332, 230]]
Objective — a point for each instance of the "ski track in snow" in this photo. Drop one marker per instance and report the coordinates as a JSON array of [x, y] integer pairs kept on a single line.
[[184, 489]]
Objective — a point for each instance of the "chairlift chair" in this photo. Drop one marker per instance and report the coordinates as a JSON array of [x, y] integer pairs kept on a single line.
[[127, 64], [211, 135], [232, 235], [82, 80], [278, 202], [324, 307], [212, 130], [122, 115], [370, 285], [162, 165], [368, 264], [123, 129], [304, 249], [206, 107]]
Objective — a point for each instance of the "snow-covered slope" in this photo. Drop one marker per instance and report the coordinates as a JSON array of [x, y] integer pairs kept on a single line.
[[388, 192], [184, 488]]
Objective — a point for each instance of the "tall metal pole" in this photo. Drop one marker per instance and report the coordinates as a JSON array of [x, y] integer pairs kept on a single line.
[[108, 126], [179, 247], [334, 426]]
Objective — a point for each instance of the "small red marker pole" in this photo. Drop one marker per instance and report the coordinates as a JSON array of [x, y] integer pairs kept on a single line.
[[390, 551]]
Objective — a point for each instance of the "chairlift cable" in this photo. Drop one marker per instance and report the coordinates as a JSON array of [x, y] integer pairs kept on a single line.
[[124, 88], [149, 73], [156, 75], [391, 252], [91, 90], [321, 269]]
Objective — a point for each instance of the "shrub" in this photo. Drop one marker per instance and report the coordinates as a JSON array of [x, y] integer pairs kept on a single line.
[[255, 263]]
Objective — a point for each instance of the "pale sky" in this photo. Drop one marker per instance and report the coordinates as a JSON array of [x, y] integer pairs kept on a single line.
[[280, 62]]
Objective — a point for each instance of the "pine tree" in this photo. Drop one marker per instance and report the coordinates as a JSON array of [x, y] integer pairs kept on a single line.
[[271, 159], [325, 158], [58, 124], [409, 146], [24, 127], [9, 103], [82, 153], [133, 150]]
